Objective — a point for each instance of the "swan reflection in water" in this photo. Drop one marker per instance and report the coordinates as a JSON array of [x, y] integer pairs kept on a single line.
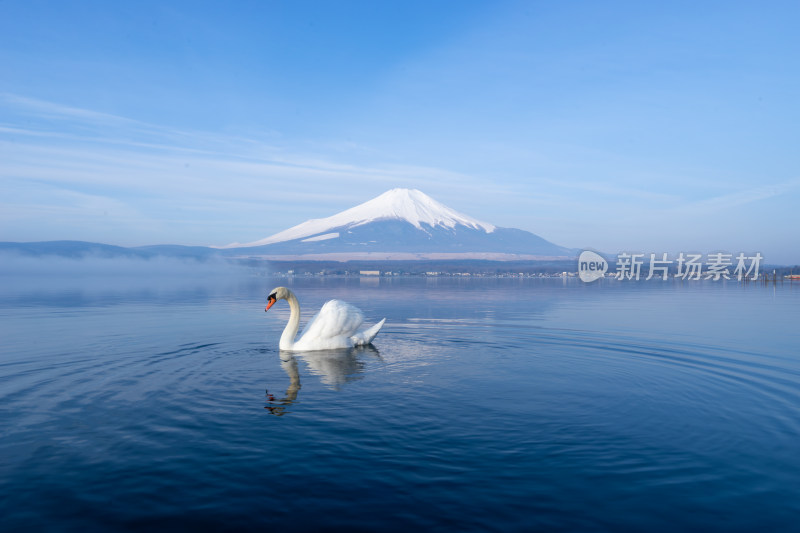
[[334, 368]]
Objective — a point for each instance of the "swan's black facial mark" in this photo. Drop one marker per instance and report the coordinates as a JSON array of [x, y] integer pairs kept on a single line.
[[271, 299]]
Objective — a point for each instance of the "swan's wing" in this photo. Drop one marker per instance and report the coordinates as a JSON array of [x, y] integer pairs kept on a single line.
[[335, 319], [362, 338]]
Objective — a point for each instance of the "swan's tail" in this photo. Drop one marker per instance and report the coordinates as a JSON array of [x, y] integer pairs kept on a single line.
[[362, 338]]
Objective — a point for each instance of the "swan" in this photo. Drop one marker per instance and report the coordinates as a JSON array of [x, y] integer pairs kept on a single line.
[[335, 326]]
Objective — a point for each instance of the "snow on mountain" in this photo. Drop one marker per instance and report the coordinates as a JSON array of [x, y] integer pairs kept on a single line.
[[409, 205]]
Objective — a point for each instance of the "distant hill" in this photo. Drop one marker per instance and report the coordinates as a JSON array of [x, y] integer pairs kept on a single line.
[[73, 249], [83, 250]]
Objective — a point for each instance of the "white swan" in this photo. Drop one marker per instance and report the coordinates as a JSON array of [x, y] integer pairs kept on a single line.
[[335, 326]]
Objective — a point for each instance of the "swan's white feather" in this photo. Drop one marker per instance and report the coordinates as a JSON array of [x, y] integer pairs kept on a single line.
[[362, 338], [331, 327]]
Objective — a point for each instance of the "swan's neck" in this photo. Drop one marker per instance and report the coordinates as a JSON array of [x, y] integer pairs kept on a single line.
[[290, 331]]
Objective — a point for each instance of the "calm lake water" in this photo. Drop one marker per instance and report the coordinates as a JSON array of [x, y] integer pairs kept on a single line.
[[485, 405]]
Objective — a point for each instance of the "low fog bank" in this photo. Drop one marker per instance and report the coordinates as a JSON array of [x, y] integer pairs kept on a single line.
[[96, 266], [47, 281]]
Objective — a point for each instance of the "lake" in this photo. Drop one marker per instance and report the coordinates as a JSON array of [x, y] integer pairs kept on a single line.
[[162, 402]]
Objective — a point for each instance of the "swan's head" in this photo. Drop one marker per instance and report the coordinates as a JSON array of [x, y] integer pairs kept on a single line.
[[279, 293]]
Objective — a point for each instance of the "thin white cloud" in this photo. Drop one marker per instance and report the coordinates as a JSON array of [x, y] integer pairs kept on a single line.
[[115, 129], [50, 110], [606, 189], [739, 198]]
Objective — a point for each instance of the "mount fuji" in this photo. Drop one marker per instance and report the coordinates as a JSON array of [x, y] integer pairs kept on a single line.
[[400, 224]]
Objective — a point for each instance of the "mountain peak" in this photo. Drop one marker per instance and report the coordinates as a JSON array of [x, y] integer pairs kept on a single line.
[[410, 205], [416, 208]]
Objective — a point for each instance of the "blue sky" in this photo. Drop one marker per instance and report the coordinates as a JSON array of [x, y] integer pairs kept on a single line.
[[614, 125]]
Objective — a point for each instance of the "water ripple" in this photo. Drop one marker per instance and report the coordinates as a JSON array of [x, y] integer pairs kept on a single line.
[[127, 417]]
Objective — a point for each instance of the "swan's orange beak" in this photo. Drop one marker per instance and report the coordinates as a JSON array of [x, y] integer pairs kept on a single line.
[[270, 302]]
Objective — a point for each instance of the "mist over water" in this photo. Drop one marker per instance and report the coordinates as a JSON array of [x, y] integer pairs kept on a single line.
[[59, 267], [133, 399]]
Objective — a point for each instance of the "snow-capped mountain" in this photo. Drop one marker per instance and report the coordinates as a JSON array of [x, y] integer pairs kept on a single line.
[[409, 205], [400, 221]]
